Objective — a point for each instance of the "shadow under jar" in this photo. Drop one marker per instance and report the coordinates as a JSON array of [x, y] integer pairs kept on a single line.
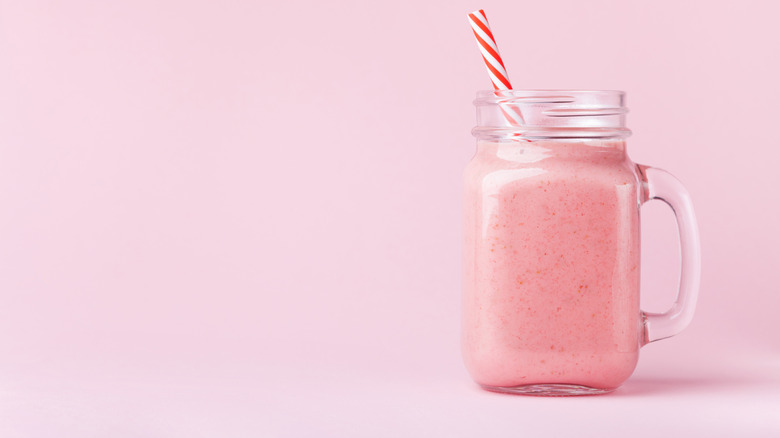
[[552, 245]]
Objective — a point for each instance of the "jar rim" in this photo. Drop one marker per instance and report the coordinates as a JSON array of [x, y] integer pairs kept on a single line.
[[573, 90], [488, 95], [547, 113]]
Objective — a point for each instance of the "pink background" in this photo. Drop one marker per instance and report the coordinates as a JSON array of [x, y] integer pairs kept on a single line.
[[243, 219]]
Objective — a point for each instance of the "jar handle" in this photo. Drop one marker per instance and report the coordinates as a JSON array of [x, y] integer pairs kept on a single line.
[[661, 185]]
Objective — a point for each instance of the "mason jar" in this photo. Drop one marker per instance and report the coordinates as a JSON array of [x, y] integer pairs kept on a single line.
[[551, 253]]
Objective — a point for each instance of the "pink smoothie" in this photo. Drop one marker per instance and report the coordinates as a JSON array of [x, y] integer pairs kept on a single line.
[[551, 264]]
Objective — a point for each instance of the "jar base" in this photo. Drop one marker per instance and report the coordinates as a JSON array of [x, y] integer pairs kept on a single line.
[[549, 390]]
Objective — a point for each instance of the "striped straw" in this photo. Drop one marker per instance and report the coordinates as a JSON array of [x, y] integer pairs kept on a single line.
[[495, 66], [487, 45]]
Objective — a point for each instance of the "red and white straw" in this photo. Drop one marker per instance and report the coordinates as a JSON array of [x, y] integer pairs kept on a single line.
[[495, 66], [487, 45]]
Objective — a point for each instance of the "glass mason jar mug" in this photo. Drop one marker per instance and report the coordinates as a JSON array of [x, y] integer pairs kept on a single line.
[[551, 248]]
